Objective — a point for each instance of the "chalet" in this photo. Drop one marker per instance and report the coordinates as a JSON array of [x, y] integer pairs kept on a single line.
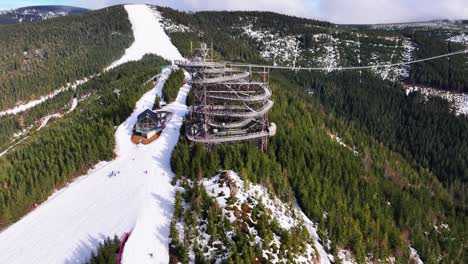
[[150, 123]]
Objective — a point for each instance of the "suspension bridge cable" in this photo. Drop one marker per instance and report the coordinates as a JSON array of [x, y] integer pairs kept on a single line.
[[234, 64]]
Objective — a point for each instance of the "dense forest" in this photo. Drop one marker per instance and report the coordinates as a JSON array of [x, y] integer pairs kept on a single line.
[[287, 40], [37, 58], [172, 85], [448, 73], [374, 203], [422, 129], [378, 202], [53, 156]]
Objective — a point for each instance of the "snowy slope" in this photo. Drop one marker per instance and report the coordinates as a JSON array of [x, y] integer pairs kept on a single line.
[[67, 227], [151, 232], [75, 219], [149, 36], [254, 195]]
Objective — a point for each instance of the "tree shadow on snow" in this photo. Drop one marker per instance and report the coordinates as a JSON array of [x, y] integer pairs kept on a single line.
[[162, 228], [84, 249]]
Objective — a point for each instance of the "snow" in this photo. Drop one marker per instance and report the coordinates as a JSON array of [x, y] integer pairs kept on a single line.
[[151, 232], [345, 257], [149, 38], [74, 104], [462, 38], [459, 101], [341, 142], [46, 119], [23, 107], [279, 49], [172, 27], [10, 147], [312, 228], [149, 35], [75, 219], [287, 217], [415, 257]]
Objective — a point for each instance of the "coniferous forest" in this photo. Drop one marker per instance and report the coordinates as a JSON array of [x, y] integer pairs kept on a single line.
[[409, 173], [396, 181], [38, 58], [373, 202], [172, 85], [448, 73], [53, 156]]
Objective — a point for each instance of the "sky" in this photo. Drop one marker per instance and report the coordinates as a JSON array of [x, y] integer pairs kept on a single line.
[[337, 11]]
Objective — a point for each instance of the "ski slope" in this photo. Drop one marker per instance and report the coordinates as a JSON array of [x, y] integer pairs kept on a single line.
[[75, 219], [72, 222], [151, 233], [149, 35]]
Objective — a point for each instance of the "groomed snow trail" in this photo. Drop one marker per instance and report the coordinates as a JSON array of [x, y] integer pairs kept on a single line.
[[149, 35], [149, 241]]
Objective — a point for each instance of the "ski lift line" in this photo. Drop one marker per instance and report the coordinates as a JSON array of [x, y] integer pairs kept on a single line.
[[233, 64]]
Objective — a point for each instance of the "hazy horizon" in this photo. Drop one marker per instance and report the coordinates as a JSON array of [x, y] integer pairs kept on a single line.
[[336, 11]]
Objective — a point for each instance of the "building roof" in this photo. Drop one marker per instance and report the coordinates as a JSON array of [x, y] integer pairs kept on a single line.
[[148, 113]]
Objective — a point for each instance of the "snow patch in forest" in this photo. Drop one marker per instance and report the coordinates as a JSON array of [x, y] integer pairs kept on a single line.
[[327, 51], [73, 105], [149, 35], [341, 142], [288, 217], [402, 51], [459, 101], [283, 50], [462, 38], [46, 119], [414, 257], [170, 26]]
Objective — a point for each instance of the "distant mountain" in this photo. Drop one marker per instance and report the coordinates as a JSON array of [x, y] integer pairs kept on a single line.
[[34, 13]]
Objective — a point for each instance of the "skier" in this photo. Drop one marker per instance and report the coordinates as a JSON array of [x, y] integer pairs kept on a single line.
[[151, 255]]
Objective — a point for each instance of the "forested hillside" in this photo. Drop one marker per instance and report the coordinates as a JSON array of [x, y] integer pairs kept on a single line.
[[408, 178], [380, 171], [448, 74], [285, 40], [56, 154], [37, 58], [374, 202], [421, 129]]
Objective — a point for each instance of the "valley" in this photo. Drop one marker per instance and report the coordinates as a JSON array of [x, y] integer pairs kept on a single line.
[[367, 163]]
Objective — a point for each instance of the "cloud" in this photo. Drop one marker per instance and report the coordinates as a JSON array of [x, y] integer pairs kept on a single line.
[[337, 11], [388, 11]]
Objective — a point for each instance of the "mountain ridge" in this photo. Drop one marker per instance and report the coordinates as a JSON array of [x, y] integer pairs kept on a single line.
[[29, 14]]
